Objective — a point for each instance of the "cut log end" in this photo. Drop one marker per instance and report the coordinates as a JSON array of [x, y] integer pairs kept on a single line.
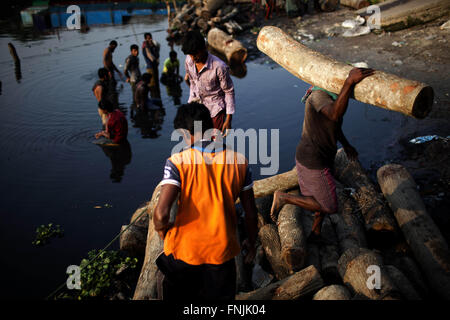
[[423, 103], [239, 56]]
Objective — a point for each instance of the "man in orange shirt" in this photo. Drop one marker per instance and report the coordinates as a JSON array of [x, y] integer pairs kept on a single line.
[[200, 245]]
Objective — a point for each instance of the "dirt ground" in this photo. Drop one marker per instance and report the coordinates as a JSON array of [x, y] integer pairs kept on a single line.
[[420, 53]]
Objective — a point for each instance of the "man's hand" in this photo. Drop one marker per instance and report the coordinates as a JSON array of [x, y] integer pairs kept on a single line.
[[351, 152], [128, 80], [99, 134], [251, 251], [357, 74]]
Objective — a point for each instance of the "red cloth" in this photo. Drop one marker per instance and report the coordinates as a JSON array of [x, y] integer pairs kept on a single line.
[[219, 120], [117, 126]]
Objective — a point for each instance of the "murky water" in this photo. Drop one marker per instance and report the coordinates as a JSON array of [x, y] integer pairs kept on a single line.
[[51, 172]]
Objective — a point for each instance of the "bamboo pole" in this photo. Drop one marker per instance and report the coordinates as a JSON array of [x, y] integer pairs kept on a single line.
[[382, 89], [423, 236]]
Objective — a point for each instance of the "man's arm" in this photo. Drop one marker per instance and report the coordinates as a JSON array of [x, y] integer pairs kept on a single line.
[[98, 93], [226, 84], [125, 69], [149, 54], [161, 216], [335, 110], [247, 198], [192, 87]]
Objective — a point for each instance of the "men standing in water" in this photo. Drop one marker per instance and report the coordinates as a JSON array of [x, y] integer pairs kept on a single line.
[[322, 129], [101, 89], [108, 59], [200, 245], [141, 94], [131, 69], [209, 80], [171, 70], [150, 51]]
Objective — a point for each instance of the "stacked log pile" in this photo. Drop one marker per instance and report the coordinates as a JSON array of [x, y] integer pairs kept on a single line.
[[344, 265], [204, 15]]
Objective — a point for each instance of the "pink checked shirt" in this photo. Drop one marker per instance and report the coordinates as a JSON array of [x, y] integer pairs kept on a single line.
[[212, 85]]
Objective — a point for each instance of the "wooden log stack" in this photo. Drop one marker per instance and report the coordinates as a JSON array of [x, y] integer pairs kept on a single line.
[[342, 266]]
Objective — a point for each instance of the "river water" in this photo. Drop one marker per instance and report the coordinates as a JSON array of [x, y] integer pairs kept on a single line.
[[51, 172]]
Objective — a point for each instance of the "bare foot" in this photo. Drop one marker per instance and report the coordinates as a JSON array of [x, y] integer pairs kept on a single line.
[[277, 204]]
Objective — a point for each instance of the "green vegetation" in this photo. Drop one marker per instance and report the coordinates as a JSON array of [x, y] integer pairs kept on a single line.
[[44, 233], [103, 277]]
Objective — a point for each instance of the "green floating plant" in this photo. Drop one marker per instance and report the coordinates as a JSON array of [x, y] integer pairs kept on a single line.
[[44, 233]]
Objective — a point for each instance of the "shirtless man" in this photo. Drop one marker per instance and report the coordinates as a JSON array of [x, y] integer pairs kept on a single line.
[[108, 59], [100, 90]]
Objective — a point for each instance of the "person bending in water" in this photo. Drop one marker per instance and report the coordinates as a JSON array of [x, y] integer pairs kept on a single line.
[[116, 125], [142, 90], [322, 128]]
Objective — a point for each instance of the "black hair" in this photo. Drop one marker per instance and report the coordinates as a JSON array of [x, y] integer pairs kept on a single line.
[[102, 72], [147, 34], [193, 42], [190, 112], [113, 43], [106, 105], [134, 46], [173, 54], [146, 77]]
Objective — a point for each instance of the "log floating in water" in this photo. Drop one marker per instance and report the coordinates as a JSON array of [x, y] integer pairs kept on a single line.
[[233, 49], [355, 4], [379, 221], [333, 292], [423, 236], [384, 90], [292, 236], [353, 267], [298, 285], [270, 242]]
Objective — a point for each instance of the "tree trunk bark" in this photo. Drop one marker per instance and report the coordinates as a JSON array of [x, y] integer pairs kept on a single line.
[[410, 269], [421, 233], [272, 248], [329, 253], [312, 249], [233, 49], [298, 285], [347, 223], [292, 236], [379, 221], [355, 273], [355, 4], [402, 283], [333, 292], [133, 240], [384, 90], [283, 181]]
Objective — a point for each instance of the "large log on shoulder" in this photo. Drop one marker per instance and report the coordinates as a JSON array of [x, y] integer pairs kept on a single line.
[[379, 221], [421, 233], [300, 284], [283, 181], [354, 269], [292, 236], [382, 89], [333, 292], [348, 223], [355, 4], [270, 242], [233, 49]]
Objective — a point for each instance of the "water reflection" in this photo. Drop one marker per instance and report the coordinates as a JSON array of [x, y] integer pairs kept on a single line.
[[174, 90], [120, 157], [148, 121]]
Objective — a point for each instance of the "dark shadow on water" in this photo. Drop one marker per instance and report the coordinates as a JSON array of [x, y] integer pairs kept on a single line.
[[148, 121], [173, 89], [120, 157]]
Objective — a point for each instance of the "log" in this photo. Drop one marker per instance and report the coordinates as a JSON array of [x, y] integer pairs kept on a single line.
[[300, 284], [402, 283], [202, 24], [379, 221], [233, 49], [347, 223], [260, 278], [133, 240], [399, 14], [232, 27], [382, 89], [410, 269], [355, 4], [272, 247], [329, 253], [353, 265], [422, 235], [213, 5], [292, 236], [283, 181], [312, 249], [333, 292]]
